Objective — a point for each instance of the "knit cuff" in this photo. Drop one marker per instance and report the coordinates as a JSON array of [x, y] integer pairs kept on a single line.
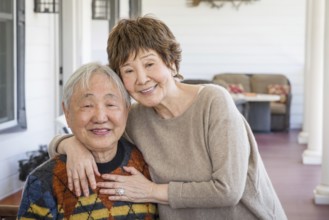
[[174, 195]]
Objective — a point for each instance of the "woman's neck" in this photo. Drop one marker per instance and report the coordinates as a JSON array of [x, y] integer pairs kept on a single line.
[[177, 103], [104, 156]]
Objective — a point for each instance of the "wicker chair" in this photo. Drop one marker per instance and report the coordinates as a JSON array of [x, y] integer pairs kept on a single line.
[[258, 83]]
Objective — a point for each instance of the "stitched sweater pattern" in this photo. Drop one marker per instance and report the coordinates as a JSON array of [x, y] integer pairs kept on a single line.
[[47, 196]]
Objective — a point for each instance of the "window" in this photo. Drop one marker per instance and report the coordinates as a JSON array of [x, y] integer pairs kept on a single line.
[[12, 107], [111, 9], [7, 85], [135, 8]]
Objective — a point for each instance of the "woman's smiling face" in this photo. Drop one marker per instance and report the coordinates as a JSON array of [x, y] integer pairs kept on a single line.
[[147, 78], [97, 115]]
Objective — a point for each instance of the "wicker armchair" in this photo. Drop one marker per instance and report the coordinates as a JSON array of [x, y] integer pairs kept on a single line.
[[258, 83]]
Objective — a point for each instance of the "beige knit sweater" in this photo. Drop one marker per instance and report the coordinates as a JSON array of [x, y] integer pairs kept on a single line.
[[209, 157]]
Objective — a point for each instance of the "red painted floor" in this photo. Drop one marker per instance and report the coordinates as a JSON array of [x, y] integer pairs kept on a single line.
[[293, 181]]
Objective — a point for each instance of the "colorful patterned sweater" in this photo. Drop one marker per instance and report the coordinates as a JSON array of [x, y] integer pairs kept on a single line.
[[47, 196]]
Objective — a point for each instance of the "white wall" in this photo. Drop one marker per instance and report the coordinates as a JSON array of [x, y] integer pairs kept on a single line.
[[266, 36], [40, 96], [100, 31]]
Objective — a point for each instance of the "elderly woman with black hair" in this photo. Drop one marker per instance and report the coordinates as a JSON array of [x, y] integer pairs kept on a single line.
[[96, 108]]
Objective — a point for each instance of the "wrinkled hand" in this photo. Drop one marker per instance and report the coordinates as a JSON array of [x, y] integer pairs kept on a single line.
[[137, 187], [81, 166]]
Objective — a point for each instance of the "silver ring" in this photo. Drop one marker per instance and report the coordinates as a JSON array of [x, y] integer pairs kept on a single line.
[[120, 191]]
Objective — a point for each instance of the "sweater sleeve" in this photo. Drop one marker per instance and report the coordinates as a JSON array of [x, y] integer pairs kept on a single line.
[[229, 150], [52, 147], [37, 202]]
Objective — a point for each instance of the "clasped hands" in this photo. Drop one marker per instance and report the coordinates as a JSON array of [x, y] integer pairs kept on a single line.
[[135, 188], [81, 171]]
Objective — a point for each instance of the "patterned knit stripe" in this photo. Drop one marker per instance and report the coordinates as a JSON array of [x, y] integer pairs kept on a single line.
[[94, 205], [87, 201], [98, 211], [95, 214], [37, 212], [34, 218], [42, 211], [138, 209]]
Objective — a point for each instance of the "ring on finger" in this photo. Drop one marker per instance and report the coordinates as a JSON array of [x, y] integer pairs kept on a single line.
[[120, 191]]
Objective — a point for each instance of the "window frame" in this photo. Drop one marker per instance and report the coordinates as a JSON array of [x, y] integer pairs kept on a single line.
[[19, 121]]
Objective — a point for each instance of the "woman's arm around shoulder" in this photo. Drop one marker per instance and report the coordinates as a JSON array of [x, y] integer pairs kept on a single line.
[[54, 145], [81, 166]]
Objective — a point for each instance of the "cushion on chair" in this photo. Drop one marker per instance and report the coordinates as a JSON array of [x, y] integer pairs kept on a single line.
[[259, 82], [279, 89], [235, 88]]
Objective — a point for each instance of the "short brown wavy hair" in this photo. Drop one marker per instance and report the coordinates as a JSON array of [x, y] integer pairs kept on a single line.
[[130, 36]]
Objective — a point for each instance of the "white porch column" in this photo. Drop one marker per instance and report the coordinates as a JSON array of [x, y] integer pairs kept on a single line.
[[312, 155], [84, 31], [321, 192], [76, 36], [303, 135]]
